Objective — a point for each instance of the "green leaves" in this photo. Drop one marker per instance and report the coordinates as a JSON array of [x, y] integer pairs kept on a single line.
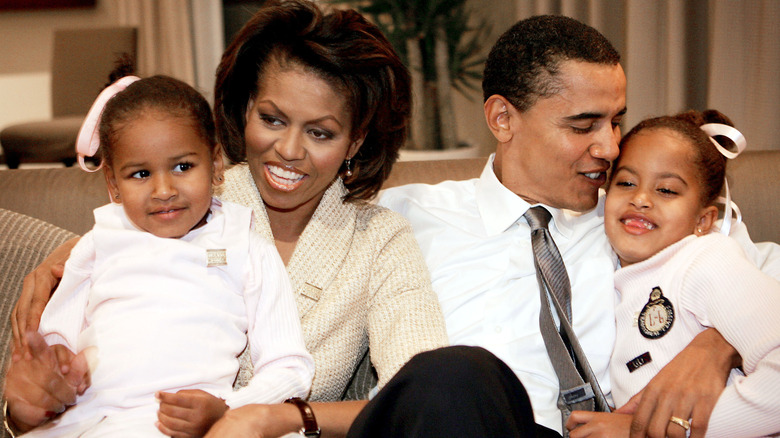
[[401, 20]]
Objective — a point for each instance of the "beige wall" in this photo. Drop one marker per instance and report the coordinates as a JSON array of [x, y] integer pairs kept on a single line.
[[26, 51], [468, 111], [25, 60], [25, 56]]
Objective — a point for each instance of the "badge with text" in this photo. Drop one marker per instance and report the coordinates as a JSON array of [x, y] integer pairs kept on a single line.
[[639, 361], [657, 317], [216, 257]]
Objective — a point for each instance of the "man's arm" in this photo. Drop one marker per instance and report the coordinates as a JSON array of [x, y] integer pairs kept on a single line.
[[687, 387]]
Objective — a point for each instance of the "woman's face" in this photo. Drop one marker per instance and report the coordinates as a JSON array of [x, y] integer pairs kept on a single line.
[[297, 135]]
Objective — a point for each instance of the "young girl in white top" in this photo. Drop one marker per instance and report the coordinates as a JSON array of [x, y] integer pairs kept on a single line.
[[679, 275], [160, 295]]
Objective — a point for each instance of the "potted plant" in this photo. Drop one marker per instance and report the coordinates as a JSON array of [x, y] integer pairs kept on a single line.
[[442, 51]]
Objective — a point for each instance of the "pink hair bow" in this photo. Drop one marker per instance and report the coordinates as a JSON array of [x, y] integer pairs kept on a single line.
[[88, 141]]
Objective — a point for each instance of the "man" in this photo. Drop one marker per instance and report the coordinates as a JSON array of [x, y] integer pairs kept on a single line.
[[554, 95]]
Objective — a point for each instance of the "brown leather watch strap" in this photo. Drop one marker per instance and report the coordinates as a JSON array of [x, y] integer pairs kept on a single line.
[[310, 427]]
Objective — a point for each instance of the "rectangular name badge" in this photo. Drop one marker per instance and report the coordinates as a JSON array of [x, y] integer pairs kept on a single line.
[[639, 361], [216, 257]]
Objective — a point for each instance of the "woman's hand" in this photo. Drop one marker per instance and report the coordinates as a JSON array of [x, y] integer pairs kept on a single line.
[[250, 421], [256, 421], [188, 413], [42, 381], [36, 291], [598, 424], [687, 387]]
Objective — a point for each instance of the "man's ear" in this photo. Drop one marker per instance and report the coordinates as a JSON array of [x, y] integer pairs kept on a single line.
[[707, 217], [498, 115], [218, 166], [113, 188]]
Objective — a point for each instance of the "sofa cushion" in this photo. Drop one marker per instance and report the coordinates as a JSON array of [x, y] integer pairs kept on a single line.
[[753, 179], [64, 197]]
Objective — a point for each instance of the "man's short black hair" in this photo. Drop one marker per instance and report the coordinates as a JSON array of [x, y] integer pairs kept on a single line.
[[524, 62]]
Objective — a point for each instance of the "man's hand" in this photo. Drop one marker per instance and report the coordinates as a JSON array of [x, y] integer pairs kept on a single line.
[[42, 381], [583, 424], [188, 413], [687, 387], [36, 292]]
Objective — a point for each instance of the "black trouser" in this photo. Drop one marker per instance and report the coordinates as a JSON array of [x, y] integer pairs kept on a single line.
[[451, 392]]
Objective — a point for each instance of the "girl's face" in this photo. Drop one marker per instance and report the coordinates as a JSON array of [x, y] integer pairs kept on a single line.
[[297, 136], [163, 171], [654, 197]]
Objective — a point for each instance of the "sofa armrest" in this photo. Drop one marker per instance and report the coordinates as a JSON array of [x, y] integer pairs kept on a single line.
[[24, 243]]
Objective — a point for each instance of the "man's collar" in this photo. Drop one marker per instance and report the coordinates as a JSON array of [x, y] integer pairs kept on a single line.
[[500, 208]]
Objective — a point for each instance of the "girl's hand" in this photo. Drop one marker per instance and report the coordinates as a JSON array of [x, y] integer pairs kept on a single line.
[[598, 424], [36, 292], [189, 412]]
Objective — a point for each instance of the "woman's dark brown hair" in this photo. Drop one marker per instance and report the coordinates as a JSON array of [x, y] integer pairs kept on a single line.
[[344, 49]]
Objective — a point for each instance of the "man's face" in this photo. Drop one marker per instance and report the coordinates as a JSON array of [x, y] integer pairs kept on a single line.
[[562, 146]]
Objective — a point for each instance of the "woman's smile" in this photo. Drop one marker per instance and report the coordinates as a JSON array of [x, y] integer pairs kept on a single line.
[[283, 178], [298, 135]]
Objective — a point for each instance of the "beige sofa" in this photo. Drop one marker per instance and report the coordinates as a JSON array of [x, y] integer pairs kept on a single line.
[[62, 199], [65, 197]]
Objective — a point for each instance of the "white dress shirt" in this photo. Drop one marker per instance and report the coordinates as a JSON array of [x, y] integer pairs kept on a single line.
[[478, 248]]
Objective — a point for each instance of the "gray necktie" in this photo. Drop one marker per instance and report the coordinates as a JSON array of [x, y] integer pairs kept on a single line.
[[549, 263], [578, 385]]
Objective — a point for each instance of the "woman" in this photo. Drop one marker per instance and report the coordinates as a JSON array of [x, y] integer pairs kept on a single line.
[[315, 108]]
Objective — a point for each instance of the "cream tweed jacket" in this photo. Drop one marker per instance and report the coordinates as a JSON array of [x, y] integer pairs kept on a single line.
[[360, 282]]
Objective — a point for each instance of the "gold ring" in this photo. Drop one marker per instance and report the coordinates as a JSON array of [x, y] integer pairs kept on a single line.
[[680, 422]]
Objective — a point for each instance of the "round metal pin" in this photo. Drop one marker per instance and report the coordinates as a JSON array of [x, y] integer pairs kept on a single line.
[[657, 316]]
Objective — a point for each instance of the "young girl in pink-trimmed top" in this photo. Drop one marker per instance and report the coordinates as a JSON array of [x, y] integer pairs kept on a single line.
[[679, 276], [160, 296]]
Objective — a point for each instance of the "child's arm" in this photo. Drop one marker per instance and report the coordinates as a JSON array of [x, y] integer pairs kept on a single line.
[[583, 424], [36, 291], [64, 316], [742, 303], [283, 368]]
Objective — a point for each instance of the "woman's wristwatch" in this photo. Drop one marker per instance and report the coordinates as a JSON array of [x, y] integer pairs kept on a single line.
[[8, 429], [310, 427]]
